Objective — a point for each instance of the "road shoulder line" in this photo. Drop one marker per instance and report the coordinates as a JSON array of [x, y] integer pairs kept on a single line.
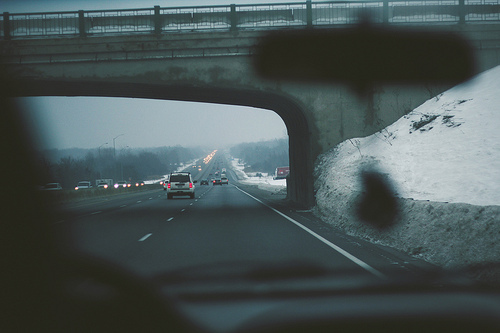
[[343, 252]]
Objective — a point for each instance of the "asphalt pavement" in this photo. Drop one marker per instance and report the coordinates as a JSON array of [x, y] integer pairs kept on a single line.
[[151, 235]]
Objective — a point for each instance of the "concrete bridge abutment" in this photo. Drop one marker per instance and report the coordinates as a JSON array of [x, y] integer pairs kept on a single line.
[[212, 68]]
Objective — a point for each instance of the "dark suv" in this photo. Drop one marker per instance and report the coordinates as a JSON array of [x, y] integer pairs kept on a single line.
[[180, 183]]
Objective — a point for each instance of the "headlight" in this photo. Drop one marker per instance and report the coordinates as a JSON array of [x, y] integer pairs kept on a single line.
[[116, 185]]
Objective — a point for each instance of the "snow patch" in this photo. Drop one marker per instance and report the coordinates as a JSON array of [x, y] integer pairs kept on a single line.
[[266, 182], [447, 152]]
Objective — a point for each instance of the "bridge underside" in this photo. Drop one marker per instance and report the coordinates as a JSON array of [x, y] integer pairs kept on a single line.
[[300, 183], [217, 67]]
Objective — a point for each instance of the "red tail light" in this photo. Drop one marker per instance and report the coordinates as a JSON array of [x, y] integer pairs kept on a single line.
[[190, 185], [168, 185]]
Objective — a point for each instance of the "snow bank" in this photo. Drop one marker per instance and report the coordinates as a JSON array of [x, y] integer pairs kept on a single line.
[[447, 151], [266, 182], [180, 168]]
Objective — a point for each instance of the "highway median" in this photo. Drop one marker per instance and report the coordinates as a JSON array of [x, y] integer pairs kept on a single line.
[[70, 196]]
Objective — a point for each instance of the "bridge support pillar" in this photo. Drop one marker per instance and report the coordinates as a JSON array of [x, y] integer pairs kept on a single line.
[[157, 21], [81, 24], [6, 26], [234, 18], [309, 14]]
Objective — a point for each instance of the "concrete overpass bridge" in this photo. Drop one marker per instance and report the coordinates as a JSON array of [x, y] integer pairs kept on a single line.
[[204, 54]]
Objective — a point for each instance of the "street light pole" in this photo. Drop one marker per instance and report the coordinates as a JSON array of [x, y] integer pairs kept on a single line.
[[114, 145], [100, 149], [121, 163], [100, 166], [114, 152]]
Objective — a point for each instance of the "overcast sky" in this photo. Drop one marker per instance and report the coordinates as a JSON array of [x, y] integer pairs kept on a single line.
[[89, 122], [84, 122]]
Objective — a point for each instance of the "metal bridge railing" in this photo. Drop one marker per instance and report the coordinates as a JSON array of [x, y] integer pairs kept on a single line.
[[234, 17], [118, 21], [346, 12]]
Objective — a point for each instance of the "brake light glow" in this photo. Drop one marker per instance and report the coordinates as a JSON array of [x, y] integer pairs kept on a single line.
[[190, 185], [168, 185]]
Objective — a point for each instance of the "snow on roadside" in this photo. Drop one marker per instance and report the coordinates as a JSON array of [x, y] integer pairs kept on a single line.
[[179, 169], [446, 151], [266, 182]]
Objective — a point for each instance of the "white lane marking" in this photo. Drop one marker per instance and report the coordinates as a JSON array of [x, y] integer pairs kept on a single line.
[[58, 222], [191, 204], [144, 238], [170, 219], [139, 201], [150, 198], [123, 206], [96, 213], [343, 252], [182, 210], [197, 199]]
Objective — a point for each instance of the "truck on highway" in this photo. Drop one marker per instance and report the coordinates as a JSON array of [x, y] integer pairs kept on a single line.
[[104, 183], [281, 172]]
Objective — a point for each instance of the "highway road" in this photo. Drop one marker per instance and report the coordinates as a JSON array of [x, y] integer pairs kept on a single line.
[[223, 225]]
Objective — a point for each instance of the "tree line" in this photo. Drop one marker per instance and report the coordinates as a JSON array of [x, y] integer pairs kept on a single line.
[[263, 156], [126, 164]]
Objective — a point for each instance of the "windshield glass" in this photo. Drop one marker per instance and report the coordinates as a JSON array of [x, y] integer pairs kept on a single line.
[[383, 180], [179, 178]]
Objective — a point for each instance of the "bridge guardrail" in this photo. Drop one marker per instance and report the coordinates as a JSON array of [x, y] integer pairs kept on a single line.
[[234, 17]]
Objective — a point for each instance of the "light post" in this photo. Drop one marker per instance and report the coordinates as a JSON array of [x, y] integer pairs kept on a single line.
[[114, 145], [121, 163], [114, 152], [100, 164]]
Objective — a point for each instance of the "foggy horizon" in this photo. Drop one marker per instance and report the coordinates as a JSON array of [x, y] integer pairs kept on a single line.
[[91, 122]]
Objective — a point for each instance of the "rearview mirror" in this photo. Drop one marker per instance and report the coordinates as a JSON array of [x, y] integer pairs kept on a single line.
[[365, 55]]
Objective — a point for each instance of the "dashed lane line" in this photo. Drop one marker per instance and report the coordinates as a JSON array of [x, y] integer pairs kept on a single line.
[[144, 238]]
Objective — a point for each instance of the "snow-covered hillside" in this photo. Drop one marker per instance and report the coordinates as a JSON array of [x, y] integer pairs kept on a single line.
[[447, 150]]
